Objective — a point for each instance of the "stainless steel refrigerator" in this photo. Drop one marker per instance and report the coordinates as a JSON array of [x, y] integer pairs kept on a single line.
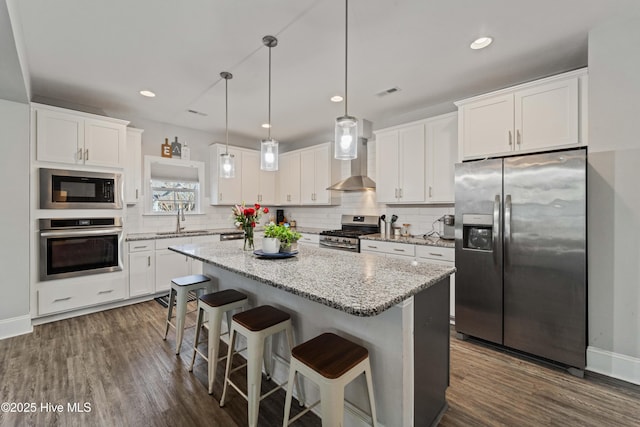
[[521, 253]]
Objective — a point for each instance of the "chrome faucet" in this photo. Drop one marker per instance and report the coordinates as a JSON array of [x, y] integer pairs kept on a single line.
[[179, 217]]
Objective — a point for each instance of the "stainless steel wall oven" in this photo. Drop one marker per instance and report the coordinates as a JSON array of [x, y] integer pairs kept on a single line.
[[70, 189], [71, 247]]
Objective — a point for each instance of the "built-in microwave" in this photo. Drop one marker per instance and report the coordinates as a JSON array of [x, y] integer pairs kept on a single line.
[[71, 189]]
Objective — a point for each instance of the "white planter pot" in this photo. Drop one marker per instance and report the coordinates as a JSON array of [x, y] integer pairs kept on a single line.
[[270, 245]]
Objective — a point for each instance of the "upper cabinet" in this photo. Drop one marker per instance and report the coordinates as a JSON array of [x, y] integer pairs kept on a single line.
[[225, 191], [441, 135], [133, 167], [258, 186], [317, 173], [546, 114], [289, 178], [71, 137]]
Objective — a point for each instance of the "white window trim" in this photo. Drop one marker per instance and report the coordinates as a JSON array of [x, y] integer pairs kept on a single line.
[[156, 160]]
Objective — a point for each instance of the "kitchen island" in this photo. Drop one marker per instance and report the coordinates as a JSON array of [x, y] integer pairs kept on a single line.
[[395, 308]]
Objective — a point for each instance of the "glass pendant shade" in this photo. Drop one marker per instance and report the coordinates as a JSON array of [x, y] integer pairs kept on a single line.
[[346, 138], [227, 166], [269, 155]]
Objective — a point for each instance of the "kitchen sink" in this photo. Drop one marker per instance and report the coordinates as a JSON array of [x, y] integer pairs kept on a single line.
[[181, 233]]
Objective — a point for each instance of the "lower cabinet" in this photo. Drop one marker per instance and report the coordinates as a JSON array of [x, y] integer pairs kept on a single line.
[[79, 292], [170, 264], [440, 255], [391, 249], [309, 239], [142, 273]]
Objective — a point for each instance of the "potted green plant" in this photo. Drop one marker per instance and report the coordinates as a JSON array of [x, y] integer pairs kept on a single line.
[[288, 239], [271, 241]]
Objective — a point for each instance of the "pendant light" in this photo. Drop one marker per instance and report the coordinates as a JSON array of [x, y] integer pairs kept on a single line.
[[269, 146], [227, 161], [346, 137]]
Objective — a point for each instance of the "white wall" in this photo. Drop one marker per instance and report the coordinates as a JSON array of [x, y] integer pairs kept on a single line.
[[14, 212], [614, 199]]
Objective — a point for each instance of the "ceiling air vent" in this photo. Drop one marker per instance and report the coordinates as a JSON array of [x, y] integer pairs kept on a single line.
[[198, 113], [388, 91]]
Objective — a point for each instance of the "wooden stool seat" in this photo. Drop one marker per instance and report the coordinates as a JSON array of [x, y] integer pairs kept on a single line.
[[260, 318], [330, 355], [218, 299]]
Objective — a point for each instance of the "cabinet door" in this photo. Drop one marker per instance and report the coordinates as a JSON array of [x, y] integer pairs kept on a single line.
[[488, 126], [59, 137], [307, 177], [411, 182], [170, 265], [141, 273], [323, 165], [250, 177], [267, 187], [442, 153], [289, 177], [133, 167], [104, 143], [387, 167], [226, 191], [546, 116]]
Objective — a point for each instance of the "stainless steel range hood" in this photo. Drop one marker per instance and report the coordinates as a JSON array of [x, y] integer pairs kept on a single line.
[[358, 181]]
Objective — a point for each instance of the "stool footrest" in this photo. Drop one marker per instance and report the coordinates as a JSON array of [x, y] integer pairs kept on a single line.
[[301, 413]]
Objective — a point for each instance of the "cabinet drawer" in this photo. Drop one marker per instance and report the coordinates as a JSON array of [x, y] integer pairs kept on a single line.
[[142, 245], [387, 247], [435, 252], [165, 243], [310, 239], [53, 298]]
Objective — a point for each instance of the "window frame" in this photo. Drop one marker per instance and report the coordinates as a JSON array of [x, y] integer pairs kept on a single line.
[[175, 165]]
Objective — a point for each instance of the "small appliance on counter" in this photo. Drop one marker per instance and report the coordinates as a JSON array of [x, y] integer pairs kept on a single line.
[[448, 227]]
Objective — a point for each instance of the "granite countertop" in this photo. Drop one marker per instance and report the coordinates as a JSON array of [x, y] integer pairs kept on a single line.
[[356, 283], [309, 230], [170, 234], [412, 240]]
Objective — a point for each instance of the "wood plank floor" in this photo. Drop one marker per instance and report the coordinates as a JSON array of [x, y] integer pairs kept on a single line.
[[117, 362]]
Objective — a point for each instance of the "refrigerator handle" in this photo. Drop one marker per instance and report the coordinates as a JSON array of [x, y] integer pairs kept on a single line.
[[496, 227], [507, 227]]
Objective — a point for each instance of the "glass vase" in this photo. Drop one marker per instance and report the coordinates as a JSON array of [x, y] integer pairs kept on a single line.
[[248, 238]]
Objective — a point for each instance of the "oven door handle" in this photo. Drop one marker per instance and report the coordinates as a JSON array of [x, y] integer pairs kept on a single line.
[[76, 232], [337, 245]]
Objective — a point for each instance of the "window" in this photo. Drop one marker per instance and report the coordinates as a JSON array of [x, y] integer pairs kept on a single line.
[[173, 184]]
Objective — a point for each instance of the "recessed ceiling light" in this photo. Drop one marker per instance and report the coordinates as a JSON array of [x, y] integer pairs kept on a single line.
[[336, 98], [481, 43], [266, 125], [147, 93]]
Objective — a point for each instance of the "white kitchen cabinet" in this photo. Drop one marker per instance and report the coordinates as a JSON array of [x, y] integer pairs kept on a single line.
[[133, 167], [65, 136], [545, 114], [317, 172], [445, 256], [441, 134], [400, 164], [391, 249], [258, 186], [170, 264], [141, 268], [309, 239], [225, 191], [289, 178]]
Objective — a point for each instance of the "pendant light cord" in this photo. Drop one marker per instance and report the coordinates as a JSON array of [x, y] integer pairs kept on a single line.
[[269, 118], [346, 48], [226, 114]]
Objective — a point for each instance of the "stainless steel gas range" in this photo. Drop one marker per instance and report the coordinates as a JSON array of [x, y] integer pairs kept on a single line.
[[347, 238]]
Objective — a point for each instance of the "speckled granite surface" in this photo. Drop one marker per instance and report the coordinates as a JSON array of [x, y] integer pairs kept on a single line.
[[358, 284], [169, 235], [309, 230], [415, 240]]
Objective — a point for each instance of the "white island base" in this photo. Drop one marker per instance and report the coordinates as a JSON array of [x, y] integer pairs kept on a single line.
[[408, 346]]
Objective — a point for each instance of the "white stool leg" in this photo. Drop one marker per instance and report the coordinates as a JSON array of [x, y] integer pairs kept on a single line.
[[332, 402], [181, 314], [372, 401], [215, 322], [255, 353], [232, 342], [195, 340], [169, 311], [301, 398], [287, 401], [267, 356]]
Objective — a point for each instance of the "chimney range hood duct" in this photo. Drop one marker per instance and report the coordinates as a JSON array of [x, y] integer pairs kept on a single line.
[[358, 181]]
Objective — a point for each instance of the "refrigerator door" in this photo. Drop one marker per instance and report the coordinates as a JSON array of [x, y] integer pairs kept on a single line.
[[545, 255], [479, 249]]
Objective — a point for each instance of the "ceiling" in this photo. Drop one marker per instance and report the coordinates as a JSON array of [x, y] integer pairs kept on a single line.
[[100, 54]]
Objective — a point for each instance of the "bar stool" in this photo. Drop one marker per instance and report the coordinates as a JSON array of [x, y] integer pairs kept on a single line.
[[179, 293], [215, 305], [331, 362], [256, 325]]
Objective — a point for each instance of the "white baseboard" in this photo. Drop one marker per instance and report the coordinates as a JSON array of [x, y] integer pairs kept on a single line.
[[15, 326], [614, 365]]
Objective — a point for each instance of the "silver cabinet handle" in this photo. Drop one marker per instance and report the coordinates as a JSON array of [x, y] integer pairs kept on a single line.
[[61, 299], [400, 191], [372, 247], [105, 292], [507, 228], [496, 228], [79, 153], [398, 250], [86, 154], [430, 191], [518, 137], [396, 193], [137, 193], [510, 139], [149, 261], [139, 247], [431, 253]]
